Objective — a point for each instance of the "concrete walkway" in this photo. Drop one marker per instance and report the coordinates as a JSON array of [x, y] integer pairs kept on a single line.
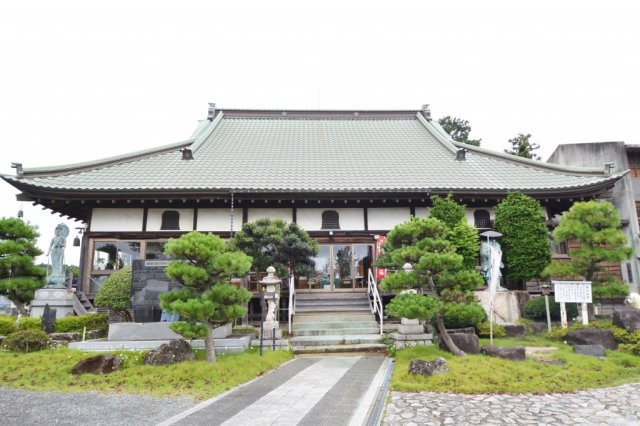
[[337, 390]]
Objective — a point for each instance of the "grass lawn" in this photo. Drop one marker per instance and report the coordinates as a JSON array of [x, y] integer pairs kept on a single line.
[[49, 370], [484, 374]]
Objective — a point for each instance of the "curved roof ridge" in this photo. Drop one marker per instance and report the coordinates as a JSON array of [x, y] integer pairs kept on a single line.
[[431, 128], [108, 161], [534, 163]]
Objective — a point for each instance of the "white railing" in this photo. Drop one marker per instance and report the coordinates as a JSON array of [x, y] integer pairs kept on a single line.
[[78, 308], [292, 301], [375, 301]]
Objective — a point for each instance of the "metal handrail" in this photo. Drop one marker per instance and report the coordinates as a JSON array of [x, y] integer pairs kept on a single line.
[[292, 301], [77, 306], [376, 306]]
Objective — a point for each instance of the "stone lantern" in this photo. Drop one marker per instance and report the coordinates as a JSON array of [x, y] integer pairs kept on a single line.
[[271, 293]]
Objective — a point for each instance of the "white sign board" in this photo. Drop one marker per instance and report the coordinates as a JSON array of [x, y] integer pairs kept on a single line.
[[572, 291]]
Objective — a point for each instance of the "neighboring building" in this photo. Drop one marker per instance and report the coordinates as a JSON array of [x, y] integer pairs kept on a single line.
[[625, 194], [344, 176]]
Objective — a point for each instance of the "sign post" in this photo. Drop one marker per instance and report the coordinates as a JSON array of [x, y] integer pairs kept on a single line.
[[573, 292]]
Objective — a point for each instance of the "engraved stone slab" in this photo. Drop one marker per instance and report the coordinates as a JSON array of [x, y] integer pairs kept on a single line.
[[592, 350]]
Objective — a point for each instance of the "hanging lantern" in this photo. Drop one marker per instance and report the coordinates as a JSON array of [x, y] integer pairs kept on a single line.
[[20, 213]]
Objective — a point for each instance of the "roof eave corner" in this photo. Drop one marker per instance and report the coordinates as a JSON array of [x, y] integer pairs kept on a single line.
[[437, 133]]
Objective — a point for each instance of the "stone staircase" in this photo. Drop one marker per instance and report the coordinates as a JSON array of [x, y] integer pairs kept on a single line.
[[82, 305], [334, 322]]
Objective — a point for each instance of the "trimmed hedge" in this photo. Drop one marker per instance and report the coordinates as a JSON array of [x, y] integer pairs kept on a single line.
[[30, 323], [7, 325], [484, 330], [536, 310], [461, 315], [26, 341], [77, 324]]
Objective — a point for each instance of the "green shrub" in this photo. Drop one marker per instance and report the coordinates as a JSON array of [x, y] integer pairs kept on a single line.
[[459, 315], [77, 324], [7, 325], [484, 330], [115, 294], [30, 323], [26, 341], [557, 333], [413, 306], [535, 309]]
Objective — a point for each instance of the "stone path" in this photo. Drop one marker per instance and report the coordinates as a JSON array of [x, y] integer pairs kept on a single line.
[[611, 406]]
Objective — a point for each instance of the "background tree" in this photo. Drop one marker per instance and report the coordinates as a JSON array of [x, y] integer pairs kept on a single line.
[[274, 242], [458, 129], [463, 236], [204, 265], [19, 276], [525, 241], [115, 294], [523, 147], [423, 243], [596, 227]]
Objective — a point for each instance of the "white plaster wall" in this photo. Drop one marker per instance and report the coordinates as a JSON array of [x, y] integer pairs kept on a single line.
[[385, 218], [311, 219], [154, 219], [116, 220], [422, 211], [284, 214], [219, 219]]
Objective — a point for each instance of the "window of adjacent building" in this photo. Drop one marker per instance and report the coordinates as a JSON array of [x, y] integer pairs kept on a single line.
[[114, 255], [330, 219], [482, 218], [170, 221]]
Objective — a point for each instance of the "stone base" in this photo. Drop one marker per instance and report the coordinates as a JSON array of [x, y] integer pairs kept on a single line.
[[133, 331], [409, 340], [57, 298], [506, 307], [268, 328], [410, 329]]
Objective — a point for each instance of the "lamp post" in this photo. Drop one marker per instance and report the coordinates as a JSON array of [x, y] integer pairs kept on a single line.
[[271, 295], [546, 291]]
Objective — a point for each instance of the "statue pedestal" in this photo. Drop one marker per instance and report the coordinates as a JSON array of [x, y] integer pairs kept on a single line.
[[506, 307], [57, 298]]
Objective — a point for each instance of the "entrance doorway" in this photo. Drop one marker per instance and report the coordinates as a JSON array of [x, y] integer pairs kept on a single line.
[[340, 267]]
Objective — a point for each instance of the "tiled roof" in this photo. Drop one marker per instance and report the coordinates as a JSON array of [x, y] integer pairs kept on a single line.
[[315, 152]]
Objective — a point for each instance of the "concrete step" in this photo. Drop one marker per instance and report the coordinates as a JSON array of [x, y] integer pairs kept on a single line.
[[332, 308], [336, 331], [334, 295], [338, 317], [362, 347], [308, 325], [350, 339], [337, 302]]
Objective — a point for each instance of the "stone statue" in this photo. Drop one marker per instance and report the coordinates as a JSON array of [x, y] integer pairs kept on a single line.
[[485, 261], [56, 255]]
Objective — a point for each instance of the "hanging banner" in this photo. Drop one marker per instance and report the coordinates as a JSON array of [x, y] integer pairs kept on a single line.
[[381, 273]]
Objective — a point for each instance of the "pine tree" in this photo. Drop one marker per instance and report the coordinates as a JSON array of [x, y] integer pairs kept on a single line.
[[204, 265], [19, 277]]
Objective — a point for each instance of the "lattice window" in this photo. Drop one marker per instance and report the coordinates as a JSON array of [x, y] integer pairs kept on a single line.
[[482, 218], [330, 219], [170, 221]]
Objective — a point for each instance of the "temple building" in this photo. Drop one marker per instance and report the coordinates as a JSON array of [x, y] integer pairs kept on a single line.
[[347, 177]]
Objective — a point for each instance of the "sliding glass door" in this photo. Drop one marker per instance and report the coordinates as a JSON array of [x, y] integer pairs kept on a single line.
[[340, 267]]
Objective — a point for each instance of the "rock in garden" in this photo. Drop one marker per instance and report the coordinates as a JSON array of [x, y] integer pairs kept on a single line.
[[592, 350], [177, 350], [627, 318], [515, 330], [101, 364], [48, 319], [465, 330], [538, 327], [428, 368], [592, 336], [93, 334], [468, 343], [65, 337], [514, 353]]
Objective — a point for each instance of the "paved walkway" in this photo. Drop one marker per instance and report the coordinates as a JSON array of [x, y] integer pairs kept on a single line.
[[306, 391], [611, 406]]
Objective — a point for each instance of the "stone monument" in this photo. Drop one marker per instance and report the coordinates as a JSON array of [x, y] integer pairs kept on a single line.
[[55, 293], [271, 290]]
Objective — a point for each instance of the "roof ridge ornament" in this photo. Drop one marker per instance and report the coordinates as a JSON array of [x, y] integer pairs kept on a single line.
[[426, 112], [18, 167], [608, 167], [461, 154], [212, 111]]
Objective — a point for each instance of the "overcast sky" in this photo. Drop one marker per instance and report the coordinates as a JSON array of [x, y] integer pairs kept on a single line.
[[83, 80]]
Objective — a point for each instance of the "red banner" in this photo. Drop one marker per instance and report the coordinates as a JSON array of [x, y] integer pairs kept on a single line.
[[381, 273]]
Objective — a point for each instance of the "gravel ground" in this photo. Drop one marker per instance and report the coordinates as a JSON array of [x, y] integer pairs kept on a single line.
[[26, 408]]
